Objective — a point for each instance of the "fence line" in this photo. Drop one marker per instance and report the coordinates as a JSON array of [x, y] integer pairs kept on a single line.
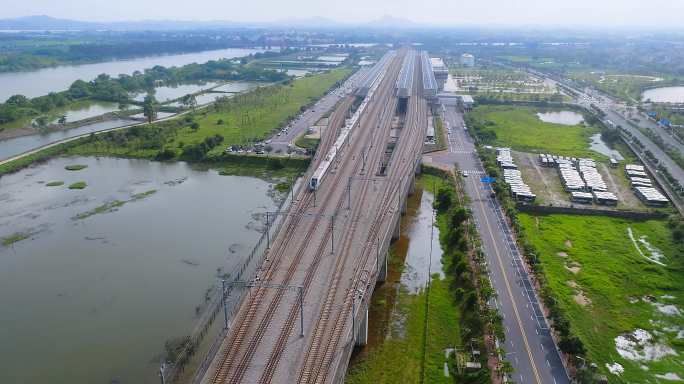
[[243, 271]]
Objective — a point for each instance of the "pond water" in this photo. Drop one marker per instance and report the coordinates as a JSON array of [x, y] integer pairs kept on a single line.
[[17, 145], [93, 300], [168, 93], [561, 117], [421, 239], [87, 110], [42, 81], [407, 271], [664, 95], [598, 145], [236, 86]]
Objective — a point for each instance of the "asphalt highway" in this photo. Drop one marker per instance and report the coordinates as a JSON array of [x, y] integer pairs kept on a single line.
[[529, 345]]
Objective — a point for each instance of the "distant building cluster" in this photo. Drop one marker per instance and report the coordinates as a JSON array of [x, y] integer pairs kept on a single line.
[[467, 60]]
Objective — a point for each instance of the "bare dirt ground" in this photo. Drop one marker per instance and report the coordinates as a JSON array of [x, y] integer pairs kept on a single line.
[[546, 184]]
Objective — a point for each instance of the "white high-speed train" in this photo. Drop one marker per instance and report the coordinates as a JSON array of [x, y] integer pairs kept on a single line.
[[345, 134]]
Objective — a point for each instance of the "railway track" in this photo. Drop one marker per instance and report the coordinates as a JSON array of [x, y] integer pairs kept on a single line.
[[226, 361], [313, 351], [272, 362], [322, 351], [231, 370]]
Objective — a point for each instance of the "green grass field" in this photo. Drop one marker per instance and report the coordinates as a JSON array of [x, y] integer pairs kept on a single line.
[[618, 282], [518, 127]]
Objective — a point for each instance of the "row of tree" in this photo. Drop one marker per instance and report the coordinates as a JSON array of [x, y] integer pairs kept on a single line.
[[119, 89]]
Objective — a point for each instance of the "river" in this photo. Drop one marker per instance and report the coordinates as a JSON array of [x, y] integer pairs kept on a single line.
[[42, 81], [93, 300], [17, 145]]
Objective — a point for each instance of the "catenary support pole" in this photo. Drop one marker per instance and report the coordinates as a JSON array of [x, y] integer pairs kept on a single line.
[[301, 311], [225, 305]]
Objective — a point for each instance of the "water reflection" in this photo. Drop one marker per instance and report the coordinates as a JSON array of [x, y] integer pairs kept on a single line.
[[561, 117], [598, 145], [664, 95], [127, 279]]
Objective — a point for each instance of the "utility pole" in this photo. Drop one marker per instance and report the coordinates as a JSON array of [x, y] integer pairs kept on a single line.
[[349, 193], [377, 255], [332, 234], [301, 311], [268, 236], [225, 305]]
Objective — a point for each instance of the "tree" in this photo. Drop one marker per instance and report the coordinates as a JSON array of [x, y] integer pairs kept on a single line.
[[150, 108], [189, 101], [41, 121], [80, 89], [18, 101]]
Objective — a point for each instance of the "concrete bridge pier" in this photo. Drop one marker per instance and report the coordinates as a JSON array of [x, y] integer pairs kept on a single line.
[[382, 268], [362, 329], [412, 187], [396, 233]]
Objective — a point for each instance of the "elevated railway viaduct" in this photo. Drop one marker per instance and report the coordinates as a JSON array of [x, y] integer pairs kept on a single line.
[[306, 307]]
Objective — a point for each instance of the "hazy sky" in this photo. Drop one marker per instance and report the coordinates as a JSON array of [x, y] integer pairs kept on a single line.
[[655, 13]]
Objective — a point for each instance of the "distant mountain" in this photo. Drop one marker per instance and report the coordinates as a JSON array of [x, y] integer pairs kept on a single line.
[[43, 22]]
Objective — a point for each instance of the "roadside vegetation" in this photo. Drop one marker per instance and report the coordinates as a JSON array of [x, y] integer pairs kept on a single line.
[[54, 183], [423, 325], [519, 127], [625, 273]]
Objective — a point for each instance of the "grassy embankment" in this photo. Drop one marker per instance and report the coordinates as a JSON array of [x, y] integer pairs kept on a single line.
[[518, 127], [237, 121], [602, 284], [405, 353]]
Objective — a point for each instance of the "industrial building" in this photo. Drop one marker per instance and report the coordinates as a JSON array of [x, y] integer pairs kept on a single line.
[[405, 79], [466, 102], [429, 81], [467, 60], [440, 70]]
